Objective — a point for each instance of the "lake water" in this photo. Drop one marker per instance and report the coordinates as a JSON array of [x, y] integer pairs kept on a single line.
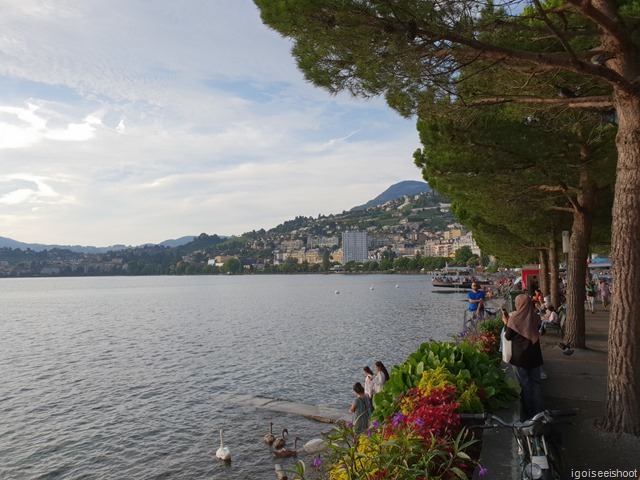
[[132, 377]]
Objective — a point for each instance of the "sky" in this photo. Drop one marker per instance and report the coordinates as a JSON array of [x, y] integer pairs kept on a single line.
[[132, 122]]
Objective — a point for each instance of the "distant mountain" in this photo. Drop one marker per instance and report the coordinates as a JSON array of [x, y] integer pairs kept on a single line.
[[394, 192], [178, 241], [38, 247], [408, 187]]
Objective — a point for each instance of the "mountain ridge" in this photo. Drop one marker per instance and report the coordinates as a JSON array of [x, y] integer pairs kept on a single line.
[[395, 191]]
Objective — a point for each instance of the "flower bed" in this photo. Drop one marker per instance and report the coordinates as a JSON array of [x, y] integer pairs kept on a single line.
[[417, 432]]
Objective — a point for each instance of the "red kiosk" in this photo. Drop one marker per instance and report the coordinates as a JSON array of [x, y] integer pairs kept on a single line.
[[530, 278]]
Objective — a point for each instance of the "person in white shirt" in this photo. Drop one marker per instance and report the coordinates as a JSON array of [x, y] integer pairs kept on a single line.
[[550, 317], [381, 377], [368, 381]]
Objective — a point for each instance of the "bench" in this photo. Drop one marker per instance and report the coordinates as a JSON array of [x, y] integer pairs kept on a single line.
[[559, 326]]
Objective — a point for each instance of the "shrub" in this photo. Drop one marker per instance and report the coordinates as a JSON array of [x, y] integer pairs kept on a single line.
[[401, 452], [463, 361]]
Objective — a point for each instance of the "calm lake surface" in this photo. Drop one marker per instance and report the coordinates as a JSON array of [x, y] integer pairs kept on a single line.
[[121, 377]]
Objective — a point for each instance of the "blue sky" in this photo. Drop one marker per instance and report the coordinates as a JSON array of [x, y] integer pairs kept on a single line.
[[132, 122]]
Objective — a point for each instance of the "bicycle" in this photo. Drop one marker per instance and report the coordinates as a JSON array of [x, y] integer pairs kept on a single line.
[[538, 457]]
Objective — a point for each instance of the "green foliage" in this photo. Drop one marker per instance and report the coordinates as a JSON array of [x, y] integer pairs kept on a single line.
[[399, 452], [463, 255], [463, 360], [233, 265]]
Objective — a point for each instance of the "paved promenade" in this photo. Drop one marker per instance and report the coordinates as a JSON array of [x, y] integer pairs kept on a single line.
[[576, 382]]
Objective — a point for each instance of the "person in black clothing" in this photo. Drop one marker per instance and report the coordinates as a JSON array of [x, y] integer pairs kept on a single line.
[[522, 328]]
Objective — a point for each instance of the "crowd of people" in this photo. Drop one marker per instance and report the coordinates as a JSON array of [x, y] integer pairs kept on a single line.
[[523, 327]]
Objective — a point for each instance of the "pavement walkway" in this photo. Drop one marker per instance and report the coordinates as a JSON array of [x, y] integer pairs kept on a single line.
[[577, 382]]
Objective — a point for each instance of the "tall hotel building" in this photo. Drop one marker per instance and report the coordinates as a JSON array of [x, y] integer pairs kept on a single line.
[[355, 246]]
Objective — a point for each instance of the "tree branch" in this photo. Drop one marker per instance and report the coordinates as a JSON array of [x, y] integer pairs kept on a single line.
[[562, 209], [611, 27], [557, 32], [580, 102]]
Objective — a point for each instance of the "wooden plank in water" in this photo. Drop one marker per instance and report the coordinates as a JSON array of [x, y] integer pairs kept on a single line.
[[313, 412]]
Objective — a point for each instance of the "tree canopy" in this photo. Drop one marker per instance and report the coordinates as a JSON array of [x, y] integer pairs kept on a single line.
[[427, 55]]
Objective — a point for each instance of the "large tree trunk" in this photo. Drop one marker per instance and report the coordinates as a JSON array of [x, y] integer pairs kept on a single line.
[[543, 277], [584, 208], [622, 413], [554, 276]]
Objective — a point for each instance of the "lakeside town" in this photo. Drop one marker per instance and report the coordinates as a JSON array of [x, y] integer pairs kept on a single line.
[[410, 227]]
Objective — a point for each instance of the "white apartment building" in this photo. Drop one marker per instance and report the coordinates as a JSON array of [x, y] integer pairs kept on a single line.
[[354, 246], [450, 242], [322, 242]]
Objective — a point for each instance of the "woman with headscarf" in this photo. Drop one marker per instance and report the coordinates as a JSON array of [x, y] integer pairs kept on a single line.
[[522, 328]]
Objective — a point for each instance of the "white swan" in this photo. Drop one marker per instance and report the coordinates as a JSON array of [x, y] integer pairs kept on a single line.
[[287, 452], [315, 445], [281, 441], [223, 452], [269, 438]]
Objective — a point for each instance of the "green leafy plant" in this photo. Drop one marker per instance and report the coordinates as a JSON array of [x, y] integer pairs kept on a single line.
[[463, 361], [399, 450]]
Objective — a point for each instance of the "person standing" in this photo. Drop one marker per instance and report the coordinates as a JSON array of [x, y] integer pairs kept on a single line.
[[361, 409], [522, 329], [381, 377], [590, 291], [537, 299], [476, 301], [605, 294], [368, 381]]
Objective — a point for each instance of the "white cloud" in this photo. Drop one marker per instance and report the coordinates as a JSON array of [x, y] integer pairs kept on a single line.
[[134, 122]]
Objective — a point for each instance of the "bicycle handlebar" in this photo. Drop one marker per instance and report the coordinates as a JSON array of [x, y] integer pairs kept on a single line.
[[561, 413], [547, 415], [474, 416]]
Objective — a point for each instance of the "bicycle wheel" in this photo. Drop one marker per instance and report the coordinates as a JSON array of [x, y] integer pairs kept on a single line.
[[542, 465], [555, 462]]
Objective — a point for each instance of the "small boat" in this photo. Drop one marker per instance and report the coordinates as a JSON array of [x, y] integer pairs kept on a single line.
[[456, 282], [451, 284]]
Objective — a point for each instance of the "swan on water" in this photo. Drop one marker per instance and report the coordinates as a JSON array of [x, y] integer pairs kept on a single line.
[[223, 452], [269, 438], [281, 441], [288, 452], [315, 445]]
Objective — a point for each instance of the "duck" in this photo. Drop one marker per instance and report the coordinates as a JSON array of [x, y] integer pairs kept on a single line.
[[288, 452], [315, 445], [223, 452], [281, 441], [269, 438]]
